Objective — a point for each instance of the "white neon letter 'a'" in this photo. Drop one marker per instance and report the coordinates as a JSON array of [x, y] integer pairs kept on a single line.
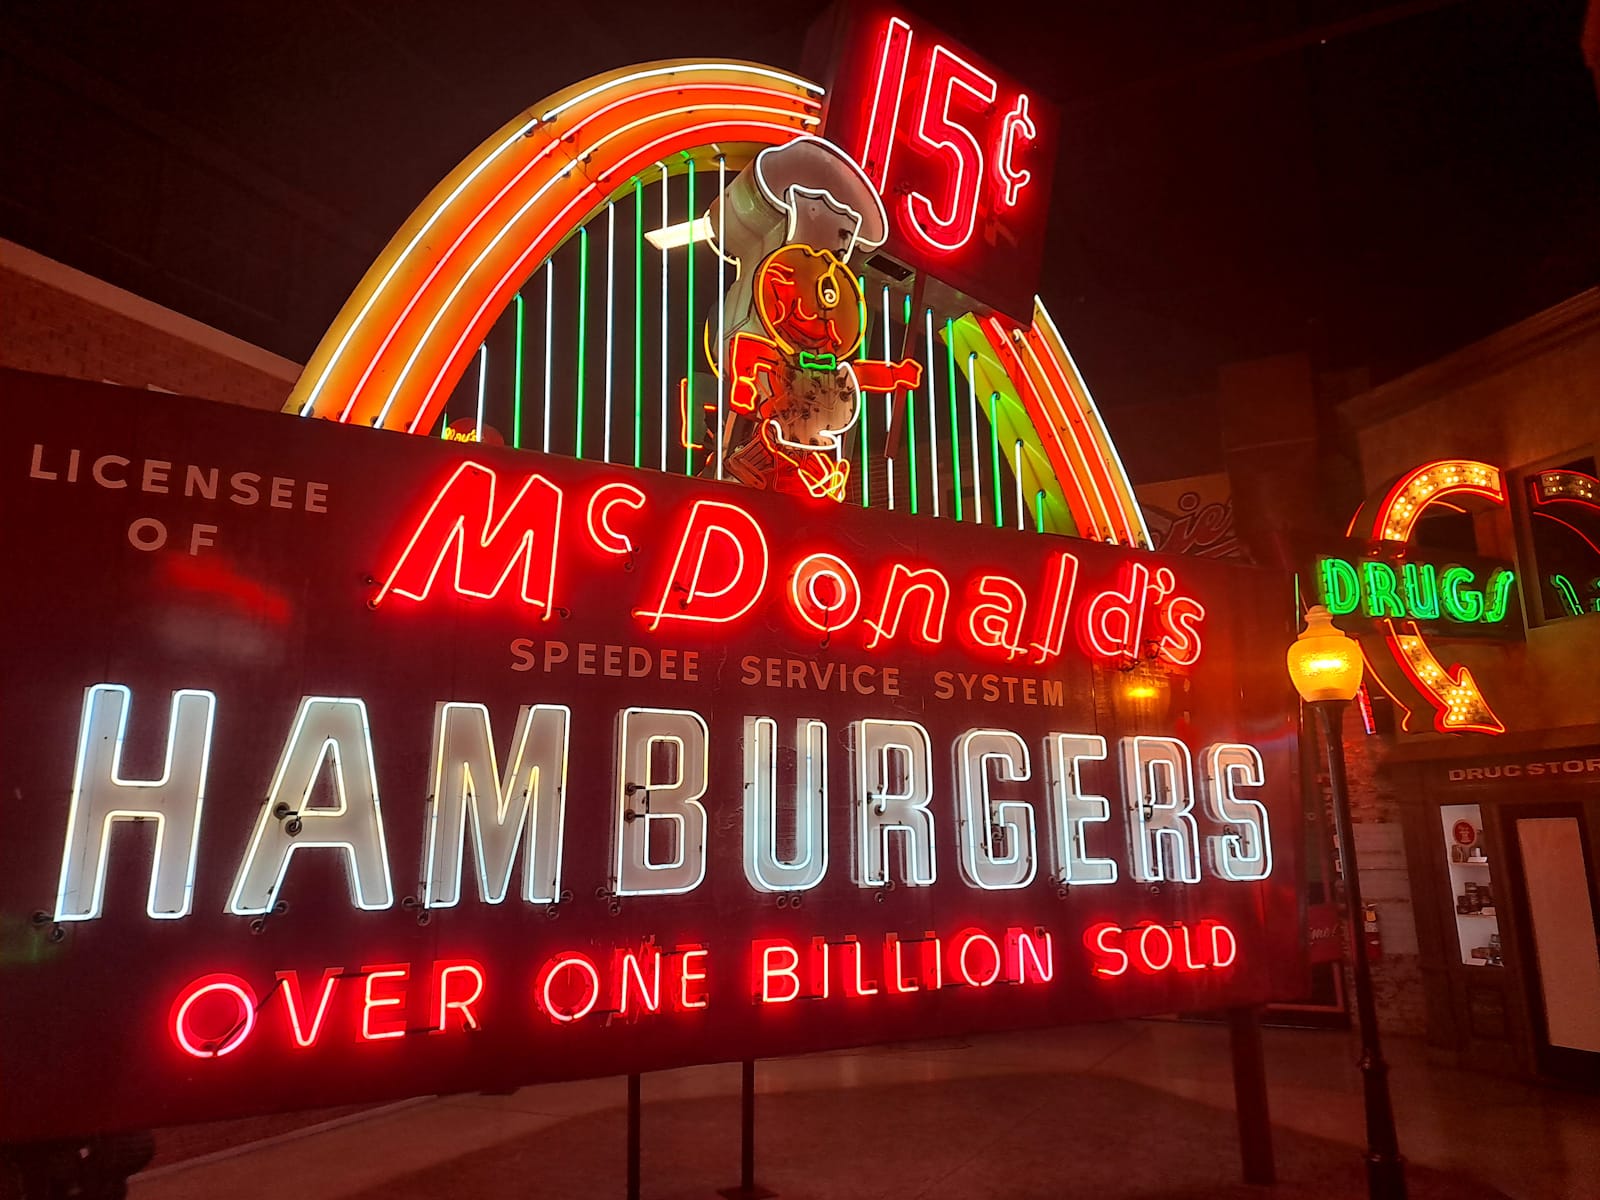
[[646, 803], [891, 800], [527, 805], [101, 797], [1244, 852], [983, 821], [1158, 786], [764, 867], [332, 731]]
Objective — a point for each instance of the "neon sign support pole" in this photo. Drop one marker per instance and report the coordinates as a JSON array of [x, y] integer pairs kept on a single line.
[[1385, 1168], [955, 426], [516, 385], [688, 338], [611, 308], [933, 416], [583, 333]]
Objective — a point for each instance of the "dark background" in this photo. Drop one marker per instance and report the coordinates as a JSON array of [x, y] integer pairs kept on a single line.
[[1373, 184]]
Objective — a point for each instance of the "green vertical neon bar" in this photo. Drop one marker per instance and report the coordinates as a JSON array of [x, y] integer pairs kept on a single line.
[[1038, 511], [908, 308], [583, 332], [688, 358], [638, 321], [994, 457], [911, 448], [444, 424], [955, 424], [516, 386], [861, 418]]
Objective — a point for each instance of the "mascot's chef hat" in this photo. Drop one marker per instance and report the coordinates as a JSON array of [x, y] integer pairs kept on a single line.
[[808, 191]]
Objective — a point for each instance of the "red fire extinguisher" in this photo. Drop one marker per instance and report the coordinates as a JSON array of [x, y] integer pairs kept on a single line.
[[1370, 934]]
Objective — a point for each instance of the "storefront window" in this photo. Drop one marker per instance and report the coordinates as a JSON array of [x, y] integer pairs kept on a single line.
[[1477, 919], [1564, 535]]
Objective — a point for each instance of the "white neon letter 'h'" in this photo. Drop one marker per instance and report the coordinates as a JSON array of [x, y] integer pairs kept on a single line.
[[334, 731], [101, 797]]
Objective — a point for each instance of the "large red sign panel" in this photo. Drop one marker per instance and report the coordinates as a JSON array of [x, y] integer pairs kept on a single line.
[[346, 765], [962, 154]]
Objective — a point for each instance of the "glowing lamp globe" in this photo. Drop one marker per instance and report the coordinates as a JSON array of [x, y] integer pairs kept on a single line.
[[1324, 661]]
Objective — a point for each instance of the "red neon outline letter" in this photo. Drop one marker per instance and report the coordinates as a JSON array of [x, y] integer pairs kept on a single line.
[[467, 502], [941, 136], [684, 600], [178, 1022], [902, 582]]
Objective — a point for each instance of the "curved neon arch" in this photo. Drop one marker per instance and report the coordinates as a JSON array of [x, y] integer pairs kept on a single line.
[[1458, 705], [413, 324]]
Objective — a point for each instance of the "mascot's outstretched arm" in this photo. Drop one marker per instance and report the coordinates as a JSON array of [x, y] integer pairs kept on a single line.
[[877, 376]]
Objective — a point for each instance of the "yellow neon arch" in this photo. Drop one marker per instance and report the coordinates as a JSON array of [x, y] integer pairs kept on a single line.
[[413, 325]]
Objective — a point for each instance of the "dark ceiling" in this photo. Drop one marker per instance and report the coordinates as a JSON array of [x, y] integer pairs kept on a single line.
[[1371, 183]]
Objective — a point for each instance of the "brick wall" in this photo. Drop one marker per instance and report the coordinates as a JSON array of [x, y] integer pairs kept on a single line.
[[1385, 881], [58, 321]]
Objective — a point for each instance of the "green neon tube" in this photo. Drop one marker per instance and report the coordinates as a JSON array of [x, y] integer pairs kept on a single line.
[[994, 456], [955, 423], [583, 333], [1464, 606], [1339, 584], [1497, 596], [444, 423], [1569, 594], [516, 385], [1038, 511], [911, 448], [638, 321], [688, 357]]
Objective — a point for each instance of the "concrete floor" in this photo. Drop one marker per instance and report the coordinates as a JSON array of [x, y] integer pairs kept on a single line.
[[1125, 1109]]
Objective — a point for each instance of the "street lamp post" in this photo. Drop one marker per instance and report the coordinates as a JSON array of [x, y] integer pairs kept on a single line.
[[1325, 665]]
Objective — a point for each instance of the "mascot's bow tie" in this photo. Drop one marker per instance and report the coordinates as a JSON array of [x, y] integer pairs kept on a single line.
[[817, 362]]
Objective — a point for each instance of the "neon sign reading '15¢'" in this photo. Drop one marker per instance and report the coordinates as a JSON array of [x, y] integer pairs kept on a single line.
[[483, 537], [1414, 591], [658, 821]]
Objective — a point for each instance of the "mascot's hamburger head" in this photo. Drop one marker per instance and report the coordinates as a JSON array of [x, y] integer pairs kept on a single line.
[[808, 300]]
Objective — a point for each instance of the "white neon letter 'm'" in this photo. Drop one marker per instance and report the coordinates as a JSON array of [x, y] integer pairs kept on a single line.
[[1158, 785], [1244, 852], [1072, 808], [645, 802], [981, 819], [764, 867], [334, 731], [101, 797], [466, 779], [889, 801]]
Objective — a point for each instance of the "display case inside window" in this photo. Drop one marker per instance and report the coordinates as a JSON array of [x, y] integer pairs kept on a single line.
[[1471, 885], [1564, 527]]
